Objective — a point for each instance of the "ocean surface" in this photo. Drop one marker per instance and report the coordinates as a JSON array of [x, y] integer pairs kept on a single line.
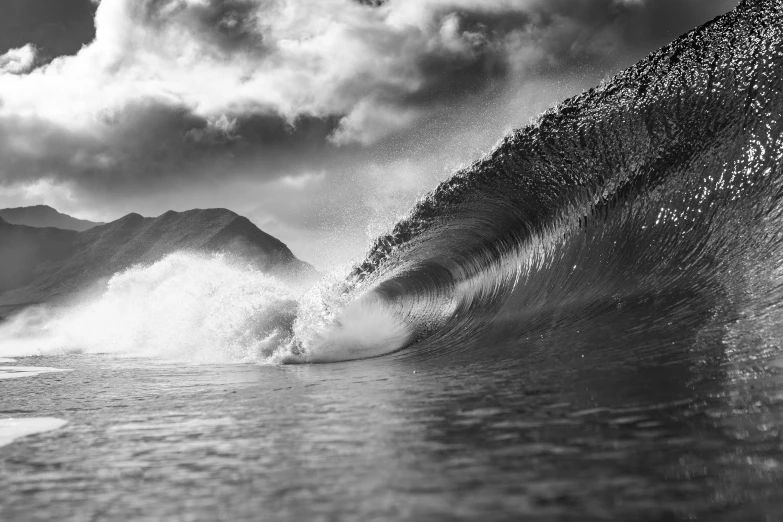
[[679, 431], [585, 324]]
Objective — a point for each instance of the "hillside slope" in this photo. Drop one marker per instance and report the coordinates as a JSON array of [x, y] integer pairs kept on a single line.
[[44, 216], [45, 264]]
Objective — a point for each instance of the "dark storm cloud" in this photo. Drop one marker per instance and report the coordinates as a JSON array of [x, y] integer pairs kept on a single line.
[[564, 33], [397, 56], [149, 146], [230, 25], [656, 23], [640, 26], [371, 3], [517, 41]]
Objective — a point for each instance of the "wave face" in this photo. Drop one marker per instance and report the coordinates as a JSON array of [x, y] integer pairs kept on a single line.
[[648, 202]]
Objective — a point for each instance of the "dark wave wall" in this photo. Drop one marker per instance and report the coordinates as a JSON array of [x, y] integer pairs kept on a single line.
[[651, 200]]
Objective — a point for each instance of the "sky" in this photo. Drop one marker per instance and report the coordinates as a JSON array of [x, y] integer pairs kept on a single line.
[[323, 121]]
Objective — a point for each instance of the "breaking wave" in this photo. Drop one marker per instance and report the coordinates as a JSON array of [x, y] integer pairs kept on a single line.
[[208, 309], [199, 308], [649, 202]]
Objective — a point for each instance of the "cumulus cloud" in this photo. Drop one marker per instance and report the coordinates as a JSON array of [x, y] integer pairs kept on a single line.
[[179, 87], [223, 59], [18, 61], [291, 58]]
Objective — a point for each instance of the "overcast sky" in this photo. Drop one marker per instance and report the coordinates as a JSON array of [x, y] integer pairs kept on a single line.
[[320, 120]]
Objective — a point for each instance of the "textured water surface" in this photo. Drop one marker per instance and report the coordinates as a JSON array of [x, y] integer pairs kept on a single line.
[[683, 431]]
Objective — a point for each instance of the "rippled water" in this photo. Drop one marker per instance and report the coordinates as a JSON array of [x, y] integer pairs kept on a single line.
[[561, 433]]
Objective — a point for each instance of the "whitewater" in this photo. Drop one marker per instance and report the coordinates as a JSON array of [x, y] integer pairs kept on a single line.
[[204, 309]]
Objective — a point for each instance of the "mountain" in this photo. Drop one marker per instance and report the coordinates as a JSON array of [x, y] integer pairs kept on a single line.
[[45, 264], [44, 216], [25, 250]]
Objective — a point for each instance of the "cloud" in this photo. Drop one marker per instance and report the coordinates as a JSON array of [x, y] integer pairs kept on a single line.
[[174, 101], [18, 61], [174, 86], [288, 58]]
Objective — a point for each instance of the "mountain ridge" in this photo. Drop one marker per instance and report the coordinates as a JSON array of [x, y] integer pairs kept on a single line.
[[43, 216], [46, 264]]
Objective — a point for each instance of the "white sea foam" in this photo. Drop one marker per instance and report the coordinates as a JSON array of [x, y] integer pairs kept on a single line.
[[360, 328], [15, 372], [209, 309], [13, 429], [197, 308], [7, 361]]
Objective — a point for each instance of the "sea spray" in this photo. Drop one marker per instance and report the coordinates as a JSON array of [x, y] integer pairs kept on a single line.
[[200, 309], [204, 309], [350, 328]]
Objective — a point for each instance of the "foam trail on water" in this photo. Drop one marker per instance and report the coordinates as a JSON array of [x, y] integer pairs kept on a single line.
[[16, 372], [13, 429]]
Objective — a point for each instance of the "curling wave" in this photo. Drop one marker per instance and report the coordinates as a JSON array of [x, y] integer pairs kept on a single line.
[[657, 193]]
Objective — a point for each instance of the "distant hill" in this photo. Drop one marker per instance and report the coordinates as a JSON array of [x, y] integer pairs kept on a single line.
[[44, 264], [44, 216]]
